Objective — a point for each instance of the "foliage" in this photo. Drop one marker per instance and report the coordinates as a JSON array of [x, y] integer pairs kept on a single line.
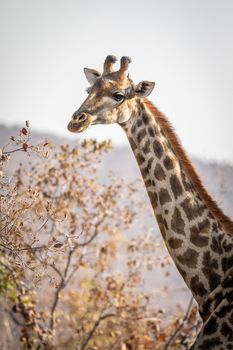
[[69, 270]]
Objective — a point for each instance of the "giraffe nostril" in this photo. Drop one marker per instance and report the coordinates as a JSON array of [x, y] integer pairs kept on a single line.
[[82, 117]]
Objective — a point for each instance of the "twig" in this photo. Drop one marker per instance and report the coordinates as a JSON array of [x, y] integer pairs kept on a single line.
[[56, 270], [23, 248], [14, 150], [63, 283], [178, 329], [91, 333], [92, 237]]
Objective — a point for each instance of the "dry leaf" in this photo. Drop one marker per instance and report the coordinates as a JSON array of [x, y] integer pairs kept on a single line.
[[24, 131], [25, 147]]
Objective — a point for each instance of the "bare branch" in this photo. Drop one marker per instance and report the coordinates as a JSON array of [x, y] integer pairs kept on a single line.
[[68, 278], [94, 234], [57, 271], [63, 283], [96, 325], [29, 248], [181, 325], [13, 151]]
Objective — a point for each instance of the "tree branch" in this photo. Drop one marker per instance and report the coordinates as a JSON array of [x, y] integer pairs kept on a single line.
[[63, 283], [13, 151], [91, 333], [181, 325]]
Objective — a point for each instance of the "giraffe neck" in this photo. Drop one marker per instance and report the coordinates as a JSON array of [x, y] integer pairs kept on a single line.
[[191, 232]]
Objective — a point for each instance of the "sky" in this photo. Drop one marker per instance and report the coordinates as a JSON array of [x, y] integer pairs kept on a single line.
[[186, 47]]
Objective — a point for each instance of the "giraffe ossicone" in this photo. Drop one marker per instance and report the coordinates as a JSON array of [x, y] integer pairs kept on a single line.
[[198, 235]]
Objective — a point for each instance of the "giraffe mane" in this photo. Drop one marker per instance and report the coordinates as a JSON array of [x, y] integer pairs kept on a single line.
[[168, 129]]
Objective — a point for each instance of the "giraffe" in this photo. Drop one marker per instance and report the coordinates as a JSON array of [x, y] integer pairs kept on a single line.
[[198, 235]]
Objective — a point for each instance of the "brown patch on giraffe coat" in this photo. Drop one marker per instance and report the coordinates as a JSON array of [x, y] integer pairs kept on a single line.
[[189, 258], [209, 261], [151, 132], [132, 144], [212, 343], [177, 223], [147, 182], [175, 243], [205, 309], [164, 196], [210, 265], [210, 216], [220, 244], [197, 287], [211, 326], [144, 172], [198, 233], [168, 163], [192, 208], [158, 149], [181, 271], [214, 278], [161, 225], [218, 298], [225, 309], [133, 128], [141, 134], [189, 169], [229, 297], [226, 331], [165, 223], [227, 263], [145, 119], [217, 243], [146, 147], [141, 159], [187, 185], [153, 199], [227, 247], [150, 161], [215, 227], [139, 123], [197, 239], [159, 172], [204, 226], [176, 186]]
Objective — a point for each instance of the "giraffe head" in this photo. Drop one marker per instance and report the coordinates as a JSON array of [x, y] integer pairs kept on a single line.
[[111, 96]]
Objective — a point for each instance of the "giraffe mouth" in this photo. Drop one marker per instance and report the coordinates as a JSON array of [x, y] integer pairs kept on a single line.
[[79, 126]]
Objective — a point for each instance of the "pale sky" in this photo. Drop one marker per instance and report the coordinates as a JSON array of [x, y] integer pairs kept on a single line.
[[185, 46]]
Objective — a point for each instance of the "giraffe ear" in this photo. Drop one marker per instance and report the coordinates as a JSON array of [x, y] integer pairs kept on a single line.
[[144, 88], [92, 75]]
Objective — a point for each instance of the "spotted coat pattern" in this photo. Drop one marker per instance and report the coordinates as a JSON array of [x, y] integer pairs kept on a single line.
[[197, 242]]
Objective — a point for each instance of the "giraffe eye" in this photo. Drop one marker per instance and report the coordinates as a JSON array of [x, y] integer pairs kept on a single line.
[[118, 96]]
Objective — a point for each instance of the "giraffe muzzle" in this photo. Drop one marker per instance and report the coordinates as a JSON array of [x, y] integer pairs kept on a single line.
[[79, 122]]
